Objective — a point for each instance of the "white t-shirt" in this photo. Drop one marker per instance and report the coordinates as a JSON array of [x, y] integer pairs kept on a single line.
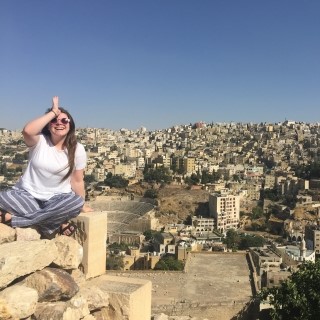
[[46, 168]]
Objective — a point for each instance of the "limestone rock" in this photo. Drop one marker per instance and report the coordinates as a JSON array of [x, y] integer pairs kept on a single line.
[[95, 297], [20, 258], [72, 310], [77, 308], [70, 252], [89, 317], [50, 310], [27, 234], [20, 301], [52, 284], [4, 312], [160, 316], [78, 276], [7, 234], [107, 314]]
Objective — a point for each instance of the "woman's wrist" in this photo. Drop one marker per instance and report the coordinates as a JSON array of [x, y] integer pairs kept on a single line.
[[54, 113]]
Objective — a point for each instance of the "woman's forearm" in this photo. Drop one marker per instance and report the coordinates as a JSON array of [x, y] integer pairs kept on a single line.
[[34, 126], [78, 188]]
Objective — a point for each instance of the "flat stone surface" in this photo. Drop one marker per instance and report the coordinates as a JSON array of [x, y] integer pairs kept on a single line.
[[110, 284], [216, 280]]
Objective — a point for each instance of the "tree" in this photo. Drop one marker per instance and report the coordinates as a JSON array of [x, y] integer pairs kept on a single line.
[[297, 297], [290, 200], [271, 194], [114, 262], [160, 174], [207, 177], [248, 241], [150, 234], [232, 239], [193, 179], [169, 263], [115, 181], [117, 247], [151, 193], [88, 178], [257, 212]]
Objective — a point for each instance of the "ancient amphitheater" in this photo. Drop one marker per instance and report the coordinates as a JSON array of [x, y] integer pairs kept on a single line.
[[126, 215]]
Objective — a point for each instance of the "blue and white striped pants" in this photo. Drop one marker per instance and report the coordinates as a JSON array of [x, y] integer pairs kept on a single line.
[[47, 216]]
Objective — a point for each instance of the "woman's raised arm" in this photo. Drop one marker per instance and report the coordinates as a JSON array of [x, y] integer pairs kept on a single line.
[[33, 128]]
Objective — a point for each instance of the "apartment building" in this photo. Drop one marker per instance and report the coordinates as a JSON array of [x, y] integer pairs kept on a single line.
[[125, 170], [312, 235], [201, 224], [99, 174], [269, 181], [225, 209], [189, 165]]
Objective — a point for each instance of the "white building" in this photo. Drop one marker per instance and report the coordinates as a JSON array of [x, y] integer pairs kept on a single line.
[[225, 209]]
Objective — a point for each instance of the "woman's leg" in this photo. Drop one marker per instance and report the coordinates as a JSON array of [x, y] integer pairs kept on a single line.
[[16, 202], [46, 215], [58, 210]]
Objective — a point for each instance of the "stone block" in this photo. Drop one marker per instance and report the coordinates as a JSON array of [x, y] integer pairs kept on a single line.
[[92, 235], [129, 297]]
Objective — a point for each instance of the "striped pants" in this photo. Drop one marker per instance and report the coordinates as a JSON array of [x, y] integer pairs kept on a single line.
[[47, 216]]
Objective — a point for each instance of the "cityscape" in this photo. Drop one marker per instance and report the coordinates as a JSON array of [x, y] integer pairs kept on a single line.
[[254, 190], [200, 127]]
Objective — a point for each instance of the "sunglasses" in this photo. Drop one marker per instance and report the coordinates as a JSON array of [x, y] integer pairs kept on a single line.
[[62, 120]]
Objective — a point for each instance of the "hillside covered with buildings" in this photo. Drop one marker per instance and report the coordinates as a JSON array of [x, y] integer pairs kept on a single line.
[[207, 186]]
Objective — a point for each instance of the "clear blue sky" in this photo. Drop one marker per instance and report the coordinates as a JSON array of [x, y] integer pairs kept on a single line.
[[157, 63]]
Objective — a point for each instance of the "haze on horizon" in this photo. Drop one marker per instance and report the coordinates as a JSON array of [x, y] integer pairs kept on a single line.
[[126, 64]]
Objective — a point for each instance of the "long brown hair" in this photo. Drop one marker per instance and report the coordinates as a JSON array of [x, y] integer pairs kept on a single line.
[[70, 143]]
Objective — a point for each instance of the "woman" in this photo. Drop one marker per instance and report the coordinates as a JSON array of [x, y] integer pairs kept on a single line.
[[51, 190]]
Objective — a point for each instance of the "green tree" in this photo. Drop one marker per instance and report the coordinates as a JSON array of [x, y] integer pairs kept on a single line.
[[117, 247], [169, 263], [232, 239], [114, 262], [257, 212], [150, 234], [236, 177], [248, 241], [297, 297], [151, 193], [88, 178], [271, 194], [193, 179], [160, 174], [308, 171], [207, 177], [115, 181], [290, 200]]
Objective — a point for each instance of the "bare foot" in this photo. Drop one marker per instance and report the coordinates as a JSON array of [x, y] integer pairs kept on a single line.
[[5, 217]]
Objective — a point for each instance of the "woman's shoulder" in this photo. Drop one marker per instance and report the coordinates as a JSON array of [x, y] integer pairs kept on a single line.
[[41, 141], [80, 147]]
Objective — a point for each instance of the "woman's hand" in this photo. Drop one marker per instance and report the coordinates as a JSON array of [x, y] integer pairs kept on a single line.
[[55, 105]]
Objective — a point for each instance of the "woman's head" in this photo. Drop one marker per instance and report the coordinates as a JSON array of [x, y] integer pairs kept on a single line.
[[61, 125], [64, 125]]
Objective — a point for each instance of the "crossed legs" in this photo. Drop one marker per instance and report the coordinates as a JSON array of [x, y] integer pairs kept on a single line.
[[48, 216]]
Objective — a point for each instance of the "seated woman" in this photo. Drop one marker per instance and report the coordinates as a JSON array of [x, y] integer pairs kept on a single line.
[[51, 190]]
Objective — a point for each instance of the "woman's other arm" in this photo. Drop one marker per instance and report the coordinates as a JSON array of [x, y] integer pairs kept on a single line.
[[77, 185]]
